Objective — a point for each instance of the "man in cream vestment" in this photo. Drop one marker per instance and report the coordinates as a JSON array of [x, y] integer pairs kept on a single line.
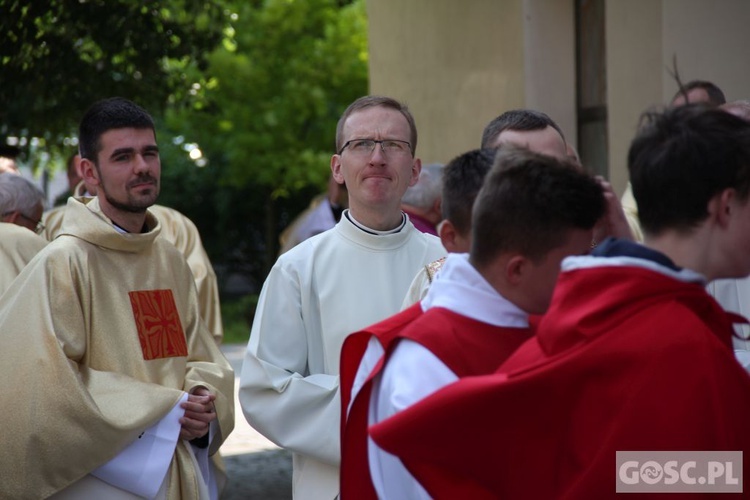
[[331, 285], [104, 339]]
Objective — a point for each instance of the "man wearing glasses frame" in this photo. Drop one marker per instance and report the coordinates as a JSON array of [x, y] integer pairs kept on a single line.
[[20, 202], [331, 285]]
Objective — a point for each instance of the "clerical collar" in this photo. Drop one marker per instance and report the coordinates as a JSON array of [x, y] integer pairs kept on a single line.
[[122, 230], [366, 229]]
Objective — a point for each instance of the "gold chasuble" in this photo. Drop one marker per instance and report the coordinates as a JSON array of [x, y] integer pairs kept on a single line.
[[182, 233], [101, 336]]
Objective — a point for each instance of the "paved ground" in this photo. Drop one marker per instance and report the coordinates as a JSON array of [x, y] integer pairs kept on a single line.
[[256, 467]]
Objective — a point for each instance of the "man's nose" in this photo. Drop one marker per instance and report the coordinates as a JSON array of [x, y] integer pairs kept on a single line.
[[141, 165], [378, 154]]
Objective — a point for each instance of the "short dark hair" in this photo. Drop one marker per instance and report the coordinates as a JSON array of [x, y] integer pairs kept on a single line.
[[463, 177], [517, 119], [109, 114], [371, 101], [681, 158], [528, 204], [715, 95]]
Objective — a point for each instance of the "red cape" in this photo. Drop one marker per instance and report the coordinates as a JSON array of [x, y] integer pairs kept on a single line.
[[466, 346], [626, 359]]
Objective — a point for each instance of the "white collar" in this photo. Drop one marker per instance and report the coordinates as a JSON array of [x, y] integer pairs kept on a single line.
[[366, 229], [460, 288]]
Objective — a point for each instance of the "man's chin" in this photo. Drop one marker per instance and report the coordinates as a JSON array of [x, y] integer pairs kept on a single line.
[[136, 206]]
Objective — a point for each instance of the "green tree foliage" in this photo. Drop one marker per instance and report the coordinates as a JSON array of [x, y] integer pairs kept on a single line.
[[257, 85], [58, 56], [264, 112], [271, 105]]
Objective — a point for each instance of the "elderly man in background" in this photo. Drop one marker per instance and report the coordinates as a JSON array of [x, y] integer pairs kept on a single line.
[[20, 211], [422, 201]]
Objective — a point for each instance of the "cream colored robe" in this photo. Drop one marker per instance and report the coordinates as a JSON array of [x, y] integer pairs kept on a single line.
[[316, 294], [630, 207], [420, 285], [78, 326], [734, 295], [182, 233], [18, 246]]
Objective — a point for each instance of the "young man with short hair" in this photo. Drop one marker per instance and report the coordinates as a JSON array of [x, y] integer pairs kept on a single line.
[[537, 132]]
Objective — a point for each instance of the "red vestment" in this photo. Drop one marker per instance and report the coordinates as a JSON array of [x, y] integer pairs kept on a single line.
[[626, 359], [466, 346]]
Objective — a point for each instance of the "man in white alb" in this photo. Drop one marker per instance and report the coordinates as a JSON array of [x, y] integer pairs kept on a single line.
[[331, 285]]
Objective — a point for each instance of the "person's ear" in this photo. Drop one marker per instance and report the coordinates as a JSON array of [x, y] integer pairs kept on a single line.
[[336, 172], [721, 206], [449, 236], [89, 172], [516, 268], [416, 168]]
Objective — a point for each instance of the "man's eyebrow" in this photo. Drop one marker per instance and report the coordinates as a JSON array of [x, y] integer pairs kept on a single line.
[[150, 149], [121, 151]]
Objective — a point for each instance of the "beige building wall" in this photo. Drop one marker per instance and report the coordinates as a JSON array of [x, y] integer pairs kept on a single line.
[[709, 40], [635, 69], [459, 64], [550, 62]]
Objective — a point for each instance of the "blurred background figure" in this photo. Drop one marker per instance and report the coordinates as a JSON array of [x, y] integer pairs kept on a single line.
[[8, 156], [693, 92], [421, 202], [526, 128], [322, 214], [739, 108], [74, 178], [21, 209], [696, 91], [21, 202]]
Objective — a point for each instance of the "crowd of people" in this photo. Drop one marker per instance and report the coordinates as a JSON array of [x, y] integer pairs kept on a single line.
[[500, 326]]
